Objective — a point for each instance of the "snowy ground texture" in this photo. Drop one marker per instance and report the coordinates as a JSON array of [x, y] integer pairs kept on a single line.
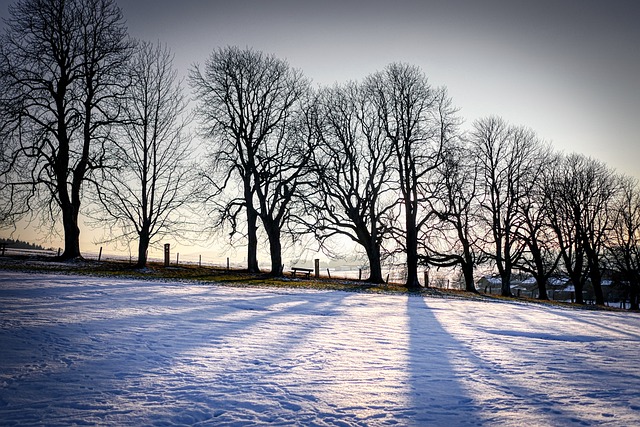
[[85, 351]]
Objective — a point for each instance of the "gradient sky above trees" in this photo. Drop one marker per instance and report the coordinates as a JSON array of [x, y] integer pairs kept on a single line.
[[570, 70]]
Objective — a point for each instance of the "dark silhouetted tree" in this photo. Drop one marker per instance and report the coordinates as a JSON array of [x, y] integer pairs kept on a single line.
[[506, 156], [623, 243], [352, 193], [540, 255], [418, 120], [61, 66], [144, 194], [581, 194], [452, 234], [249, 107]]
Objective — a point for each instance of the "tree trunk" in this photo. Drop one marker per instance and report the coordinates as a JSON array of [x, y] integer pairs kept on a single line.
[[375, 269], [71, 235], [413, 283], [596, 282], [466, 262], [505, 277], [275, 248], [506, 286], [578, 286], [143, 247], [252, 237], [542, 288], [504, 268], [67, 206], [373, 249], [71, 231], [467, 273]]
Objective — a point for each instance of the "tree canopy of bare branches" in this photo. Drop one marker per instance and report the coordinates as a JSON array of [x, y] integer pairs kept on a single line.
[[581, 192], [623, 243], [61, 68], [353, 191], [455, 231], [507, 158], [249, 107], [144, 193], [540, 255], [419, 121]]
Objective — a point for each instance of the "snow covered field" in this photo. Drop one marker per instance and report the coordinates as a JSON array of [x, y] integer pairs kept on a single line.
[[79, 350]]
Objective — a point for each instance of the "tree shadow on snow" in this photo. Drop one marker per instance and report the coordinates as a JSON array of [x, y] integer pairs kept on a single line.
[[436, 391]]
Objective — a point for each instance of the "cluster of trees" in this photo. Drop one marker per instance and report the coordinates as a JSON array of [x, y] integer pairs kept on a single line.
[[385, 163], [91, 116], [19, 244]]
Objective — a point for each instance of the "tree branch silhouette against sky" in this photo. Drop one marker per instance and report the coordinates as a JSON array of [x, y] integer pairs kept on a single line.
[[567, 69]]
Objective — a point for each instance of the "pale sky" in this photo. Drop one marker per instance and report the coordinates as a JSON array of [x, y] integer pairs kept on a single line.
[[570, 70]]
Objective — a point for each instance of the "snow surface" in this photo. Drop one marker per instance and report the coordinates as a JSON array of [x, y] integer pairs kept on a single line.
[[85, 351]]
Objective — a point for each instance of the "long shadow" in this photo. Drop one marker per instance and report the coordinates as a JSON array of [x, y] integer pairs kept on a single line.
[[435, 384], [570, 314], [517, 377], [223, 356], [123, 369]]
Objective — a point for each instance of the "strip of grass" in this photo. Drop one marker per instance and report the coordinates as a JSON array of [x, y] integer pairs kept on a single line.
[[191, 273], [239, 278]]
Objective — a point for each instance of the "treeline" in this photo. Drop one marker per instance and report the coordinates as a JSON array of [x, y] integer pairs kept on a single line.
[[93, 119], [19, 244], [386, 163]]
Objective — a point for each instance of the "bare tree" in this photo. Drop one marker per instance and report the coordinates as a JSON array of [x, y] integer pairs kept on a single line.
[[540, 256], [282, 168], [453, 238], [623, 243], [507, 156], [353, 170], [151, 182], [564, 218], [246, 101], [60, 66], [581, 194], [418, 120], [599, 188]]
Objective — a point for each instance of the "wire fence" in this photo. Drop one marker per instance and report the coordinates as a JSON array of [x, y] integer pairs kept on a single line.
[[393, 274]]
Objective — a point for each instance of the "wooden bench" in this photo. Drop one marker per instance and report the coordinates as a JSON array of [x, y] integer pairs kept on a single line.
[[303, 271]]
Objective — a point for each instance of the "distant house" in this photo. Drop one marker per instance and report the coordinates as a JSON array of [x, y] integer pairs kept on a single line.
[[521, 286], [489, 284], [559, 288]]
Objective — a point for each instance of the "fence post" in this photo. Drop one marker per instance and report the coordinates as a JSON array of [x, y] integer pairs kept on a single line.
[[328, 273], [426, 278], [58, 252], [359, 275], [227, 264], [199, 260], [317, 267], [167, 253], [177, 258], [100, 253]]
